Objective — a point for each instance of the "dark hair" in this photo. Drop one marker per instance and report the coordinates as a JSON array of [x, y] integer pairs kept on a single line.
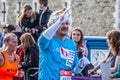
[[9, 28], [44, 2]]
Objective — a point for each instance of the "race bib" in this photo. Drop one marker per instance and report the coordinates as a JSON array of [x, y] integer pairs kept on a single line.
[[65, 75]]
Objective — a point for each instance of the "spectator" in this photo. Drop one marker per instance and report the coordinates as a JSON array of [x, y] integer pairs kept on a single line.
[[4, 32], [8, 28], [44, 14], [57, 51], [11, 28], [84, 64], [77, 36], [28, 21], [31, 53], [8, 58], [113, 39]]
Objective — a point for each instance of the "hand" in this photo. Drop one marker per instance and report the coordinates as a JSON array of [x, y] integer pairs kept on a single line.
[[23, 63], [61, 18], [33, 30], [111, 76], [20, 73], [64, 18], [90, 71], [100, 74], [44, 28], [27, 29]]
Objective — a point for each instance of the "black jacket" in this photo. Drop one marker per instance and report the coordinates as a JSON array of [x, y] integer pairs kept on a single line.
[[30, 58], [44, 19], [26, 23]]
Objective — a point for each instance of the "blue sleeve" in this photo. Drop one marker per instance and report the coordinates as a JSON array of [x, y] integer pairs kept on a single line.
[[117, 75], [76, 60], [43, 43], [75, 63]]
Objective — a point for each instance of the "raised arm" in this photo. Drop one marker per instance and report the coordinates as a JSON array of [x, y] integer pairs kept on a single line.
[[49, 33]]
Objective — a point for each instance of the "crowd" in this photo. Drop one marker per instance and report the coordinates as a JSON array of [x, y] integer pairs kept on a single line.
[[44, 43]]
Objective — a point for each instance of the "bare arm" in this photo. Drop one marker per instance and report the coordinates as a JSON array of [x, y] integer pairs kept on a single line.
[[97, 67], [114, 69], [1, 59]]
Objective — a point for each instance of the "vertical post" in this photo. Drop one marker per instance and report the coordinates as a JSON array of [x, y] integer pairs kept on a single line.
[[35, 5], [17, 10], [19, 7], [117, 15], [4, 11]]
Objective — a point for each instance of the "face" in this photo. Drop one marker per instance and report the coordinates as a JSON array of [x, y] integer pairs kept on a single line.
[[63, 30], [5, 31], [29, 13], [12, 44], [76, 36], [41, 6]]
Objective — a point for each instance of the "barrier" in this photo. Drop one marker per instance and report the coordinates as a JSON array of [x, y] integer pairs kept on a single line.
[[97, 48], [85, 78], [31, 75]]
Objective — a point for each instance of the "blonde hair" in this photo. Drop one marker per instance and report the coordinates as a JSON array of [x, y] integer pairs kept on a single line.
[[22, 13]]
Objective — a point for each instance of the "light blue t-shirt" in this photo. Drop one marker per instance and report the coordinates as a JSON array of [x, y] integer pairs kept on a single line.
[[56, 55]]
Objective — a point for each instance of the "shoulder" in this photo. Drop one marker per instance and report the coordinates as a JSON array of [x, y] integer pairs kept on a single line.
[[49, 10], [34, 47], [36, 13], [1, 55], [70, 40]]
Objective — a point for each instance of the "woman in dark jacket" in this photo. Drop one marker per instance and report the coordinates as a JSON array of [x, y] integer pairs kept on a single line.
[[28, 21], [31, 52]]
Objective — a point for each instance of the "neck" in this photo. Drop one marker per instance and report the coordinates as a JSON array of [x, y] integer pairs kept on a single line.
[[61, 37], [9, 52], [44, 9]]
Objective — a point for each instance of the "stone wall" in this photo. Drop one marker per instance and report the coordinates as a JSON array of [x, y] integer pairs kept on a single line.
[[95, 17]]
